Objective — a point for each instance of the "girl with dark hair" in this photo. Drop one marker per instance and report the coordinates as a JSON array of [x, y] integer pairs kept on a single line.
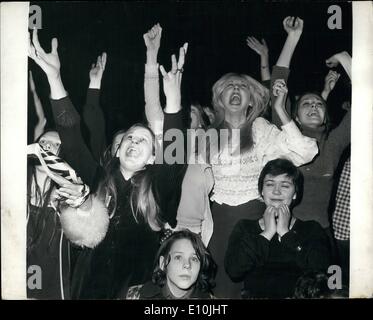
[[270, 254], [138, 196], [184, 269]]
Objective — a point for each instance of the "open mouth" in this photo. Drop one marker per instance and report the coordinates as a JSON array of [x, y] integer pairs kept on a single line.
[[235, 99], [132, 152], [313, 115]]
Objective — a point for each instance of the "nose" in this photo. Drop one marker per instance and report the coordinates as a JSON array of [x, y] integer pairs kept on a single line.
[[186, 264], [276, 190], [135, 140], [47, 146], [236, 86]]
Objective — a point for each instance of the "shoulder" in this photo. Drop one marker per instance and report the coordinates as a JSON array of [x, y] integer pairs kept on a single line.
[[148, 290], [200, 294], [261, 122], [262, 126], [134, 292], [246, 226], [310, 227]]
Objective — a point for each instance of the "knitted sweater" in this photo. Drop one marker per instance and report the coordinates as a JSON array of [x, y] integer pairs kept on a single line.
[[236, 178]]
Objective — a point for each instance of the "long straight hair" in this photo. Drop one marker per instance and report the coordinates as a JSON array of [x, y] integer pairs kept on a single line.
[[142, 200]]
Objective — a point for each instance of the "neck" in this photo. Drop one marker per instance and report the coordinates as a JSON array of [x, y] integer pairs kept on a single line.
[[176, 292], [126, 174], [236, 120]]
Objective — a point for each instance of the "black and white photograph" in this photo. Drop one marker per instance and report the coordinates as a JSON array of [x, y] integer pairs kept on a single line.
[[196, 150]]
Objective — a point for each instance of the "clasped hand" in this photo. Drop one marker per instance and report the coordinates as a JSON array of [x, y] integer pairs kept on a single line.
[[276, 220]]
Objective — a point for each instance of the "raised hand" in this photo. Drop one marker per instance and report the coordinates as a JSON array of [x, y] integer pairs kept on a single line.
[[293, 25], [152, 38], [269, 218], [172, 81], [283, 220], [97, 71], [259, 48], [342, 58], [49, 62], [331, 79], [334, 60], [280, 89]]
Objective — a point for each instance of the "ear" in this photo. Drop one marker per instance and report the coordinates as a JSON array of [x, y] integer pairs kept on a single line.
[[117, 148], [161, 262], [151, 160], [294, 196], [297, 119]]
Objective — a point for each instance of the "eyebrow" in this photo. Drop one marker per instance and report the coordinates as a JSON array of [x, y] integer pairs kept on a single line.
[[282, 181], [182, 252], [309, 100]]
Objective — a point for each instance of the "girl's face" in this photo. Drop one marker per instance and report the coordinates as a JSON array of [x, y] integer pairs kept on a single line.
[[50, 141], [136, 149], [183, 268], [195, 117], [235, 95], [116, 142], [311, 111], [278, 190]]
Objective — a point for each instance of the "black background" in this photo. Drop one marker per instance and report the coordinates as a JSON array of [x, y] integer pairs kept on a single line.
[[216, 32]]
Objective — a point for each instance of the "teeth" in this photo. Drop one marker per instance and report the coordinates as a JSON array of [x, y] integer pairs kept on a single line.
[[235, 98], [132, 152]]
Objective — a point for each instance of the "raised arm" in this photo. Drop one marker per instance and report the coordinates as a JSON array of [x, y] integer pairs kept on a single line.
[[329, 83], [153, 109], [49, 63], [280, 91], [42, 120], [93, 116], [343, 58], [340, 137], [262, 50], [170, 173], [294, 28], [67, 120]]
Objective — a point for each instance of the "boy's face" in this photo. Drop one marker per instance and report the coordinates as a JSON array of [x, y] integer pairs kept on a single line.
[[278, 190]]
